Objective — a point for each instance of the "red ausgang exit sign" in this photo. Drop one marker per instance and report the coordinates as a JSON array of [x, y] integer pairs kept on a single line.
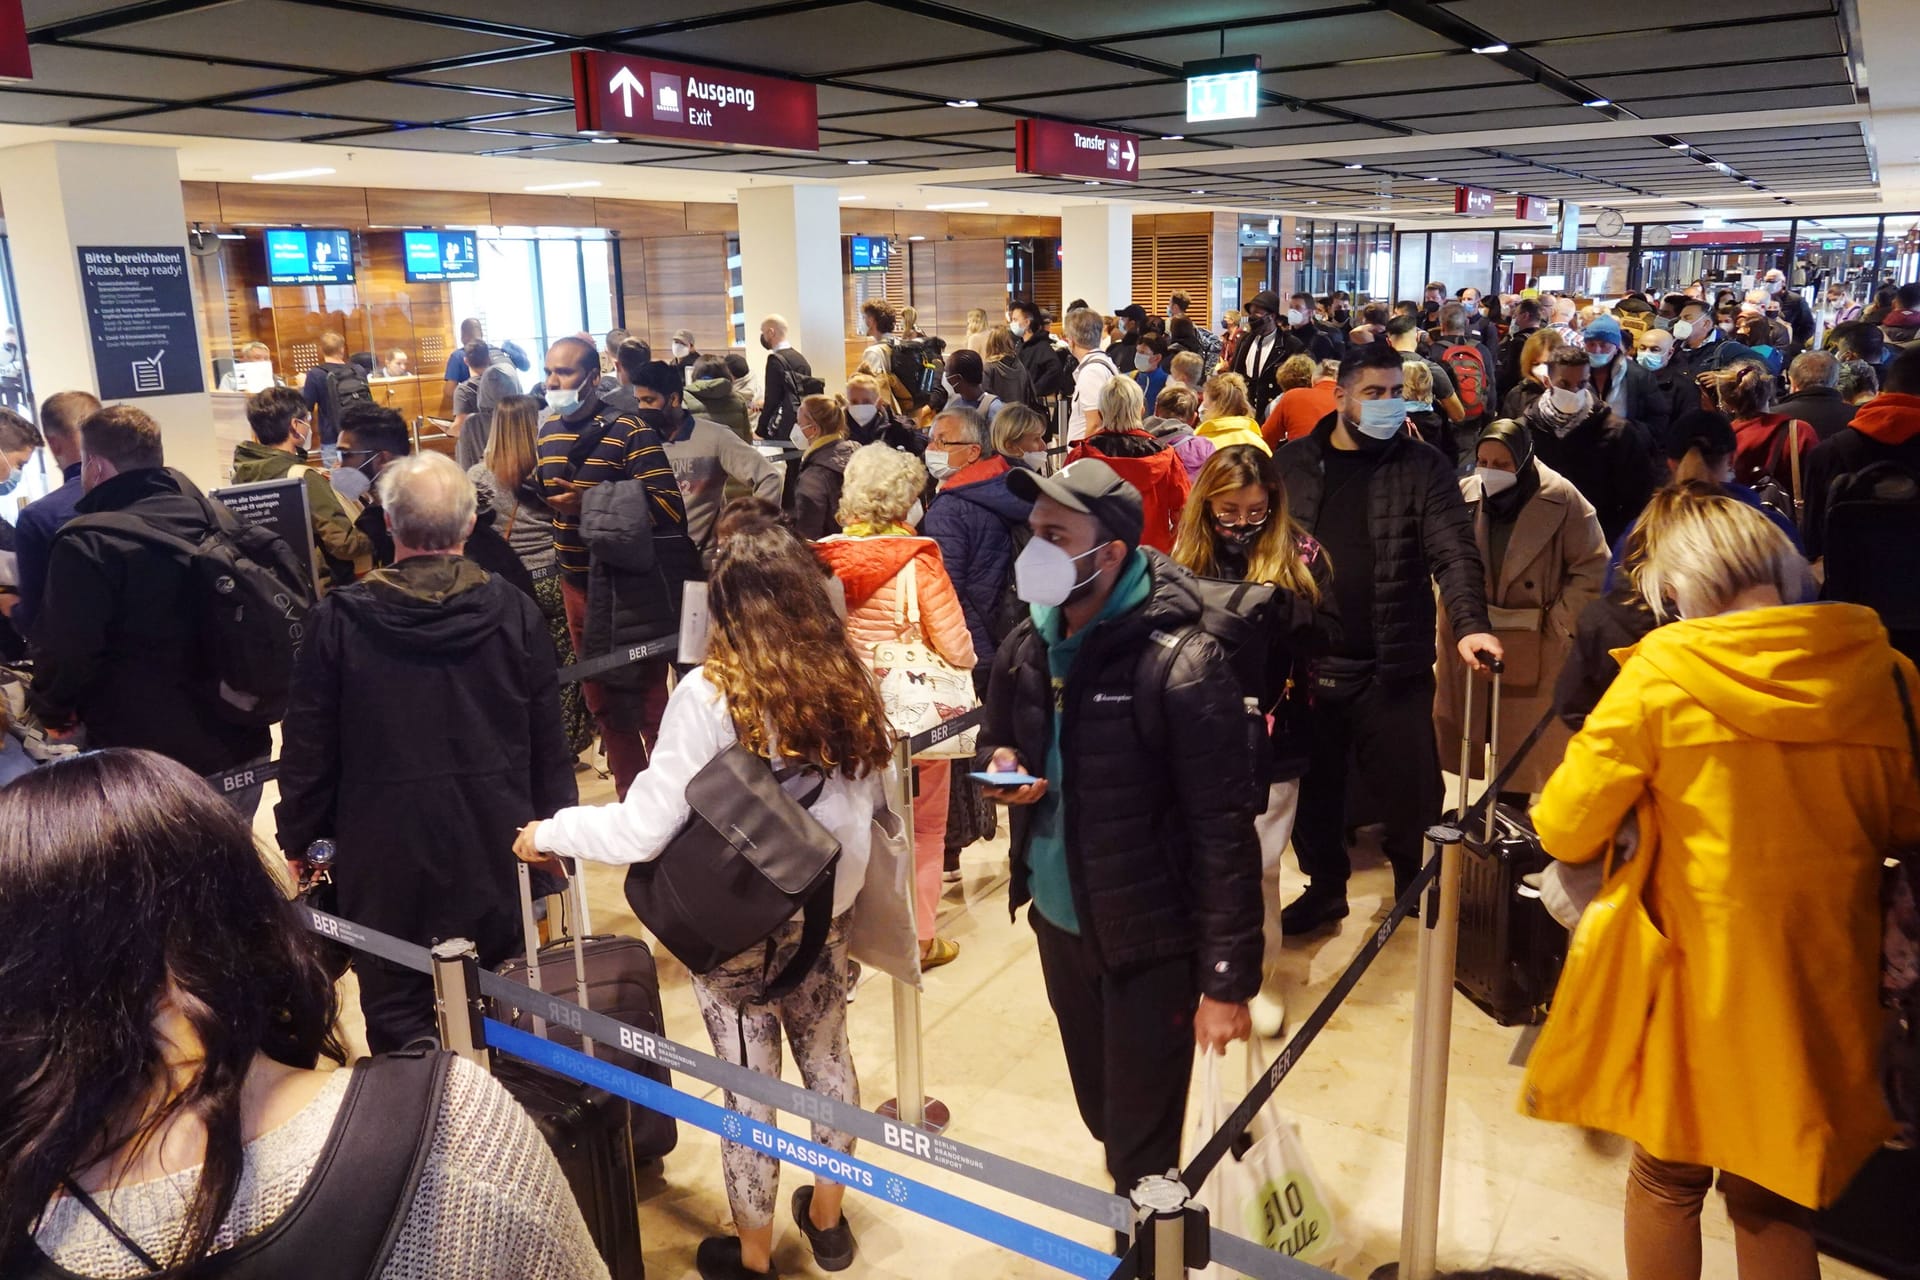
[[1472, 200], [648, 98], [1054, 150], [14, 61], [1532, 209]]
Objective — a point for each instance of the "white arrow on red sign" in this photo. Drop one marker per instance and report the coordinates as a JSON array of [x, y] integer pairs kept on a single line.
[[1129, 155], [626, 84]]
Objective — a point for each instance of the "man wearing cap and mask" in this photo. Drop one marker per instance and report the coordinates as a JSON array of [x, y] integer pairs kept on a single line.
[[1699, 347], [1611, 460], [1622, 383], [1793, 308], [1135, 843], [683, 351], [1262, 351], [1388, 511]]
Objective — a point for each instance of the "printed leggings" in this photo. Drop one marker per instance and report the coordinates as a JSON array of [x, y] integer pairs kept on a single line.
[[746, 1030]]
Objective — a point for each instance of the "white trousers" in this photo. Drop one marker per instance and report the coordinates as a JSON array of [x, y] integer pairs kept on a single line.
[[1275, 828]]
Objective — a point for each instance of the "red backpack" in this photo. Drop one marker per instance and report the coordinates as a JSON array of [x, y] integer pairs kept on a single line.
[[1470, 381]]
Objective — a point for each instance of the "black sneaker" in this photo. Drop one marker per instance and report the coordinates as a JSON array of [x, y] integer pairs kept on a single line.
[[833, 1247], [718, 1258], [1315, 909]]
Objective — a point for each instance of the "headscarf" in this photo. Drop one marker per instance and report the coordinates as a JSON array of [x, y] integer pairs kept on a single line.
[[1518, 440]]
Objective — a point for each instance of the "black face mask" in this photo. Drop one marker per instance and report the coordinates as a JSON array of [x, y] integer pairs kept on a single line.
[[1259, 323], [1239, 536], [765, 343]]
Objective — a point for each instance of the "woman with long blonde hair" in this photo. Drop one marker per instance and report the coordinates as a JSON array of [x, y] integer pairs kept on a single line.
[[1236, 526], [783, 681]]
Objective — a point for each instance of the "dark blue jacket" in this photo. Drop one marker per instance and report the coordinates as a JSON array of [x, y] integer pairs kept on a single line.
[[972, 519], [39, 521]]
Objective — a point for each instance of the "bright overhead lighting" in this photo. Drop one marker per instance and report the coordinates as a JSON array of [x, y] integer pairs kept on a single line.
[[231, 235], [1597, 102], [1355, 166], [1196, 193], [1313, 202], [1714, 222], [1173, 137], [849, 199], [287, 174], [962, 102], [606, 142], [1491, 48], [859, 162], [1091, 182], [560, 186], [1273, 226], [916, 237], [1680, 146], [960, 204], [1431, 179]]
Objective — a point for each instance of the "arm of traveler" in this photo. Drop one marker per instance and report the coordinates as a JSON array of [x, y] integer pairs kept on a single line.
[[1607, 766], [71, 638], [310, 743], [1212, 777], [338, 538], [551, 760], [1585, 548], [1446, 536], [748, 465], [1001, 690], [941, 616], [1452, 407], [33, 539], [694, 730]]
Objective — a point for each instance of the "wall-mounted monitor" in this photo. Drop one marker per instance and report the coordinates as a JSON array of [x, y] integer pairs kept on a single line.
[[305, 255], [869, 253], [433, 256]]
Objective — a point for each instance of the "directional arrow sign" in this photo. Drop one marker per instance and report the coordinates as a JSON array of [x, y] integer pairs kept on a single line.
[[15, 63], [1052, 149], [681, 101]]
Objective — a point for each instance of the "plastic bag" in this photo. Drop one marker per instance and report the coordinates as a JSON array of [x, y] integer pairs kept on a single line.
[[1264, 1189], [882, 935]]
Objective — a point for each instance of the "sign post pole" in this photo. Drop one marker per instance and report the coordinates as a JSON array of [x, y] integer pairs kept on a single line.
[[910, 1104]]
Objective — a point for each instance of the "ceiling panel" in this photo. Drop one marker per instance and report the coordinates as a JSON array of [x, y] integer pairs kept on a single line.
[[1007, 75], [377, 100], [1758, 42], [168, 79], [1411, 107], [1116, 18], [548, 73], [1702, 80], [1300, 43], [595, 153], [1114, 104], [837, 39], [922, 122], [42, 13], [213, 122], [1763, 98], [838, 101], [55, 108], [580, 17], [468, 140], [366, 43], [890, 149], [1436, 71], [1518, 20]]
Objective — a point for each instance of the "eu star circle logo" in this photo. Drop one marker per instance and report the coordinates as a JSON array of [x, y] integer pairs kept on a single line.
[[732, 1127], [896, 1191]]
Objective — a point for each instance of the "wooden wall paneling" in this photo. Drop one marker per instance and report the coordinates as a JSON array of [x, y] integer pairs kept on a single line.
[[712, 217], [1046, 289], [399, 315], [389, 208], [1182, 224], [540, 211], [202, 200], [641, 218], [274, 204], [1143, 225], [973, 226], [923, 286], [1020, 225], [866, 222], [972, 273], [930, 223], [686, 279]]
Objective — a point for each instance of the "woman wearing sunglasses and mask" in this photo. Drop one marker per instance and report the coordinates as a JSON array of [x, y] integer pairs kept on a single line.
[[1236, 526]]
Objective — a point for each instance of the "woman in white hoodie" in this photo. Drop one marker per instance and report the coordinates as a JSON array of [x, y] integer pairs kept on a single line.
[[781, 678]]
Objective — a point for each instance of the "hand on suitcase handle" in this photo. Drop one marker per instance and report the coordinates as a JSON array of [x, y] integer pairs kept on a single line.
[[1483, 652]]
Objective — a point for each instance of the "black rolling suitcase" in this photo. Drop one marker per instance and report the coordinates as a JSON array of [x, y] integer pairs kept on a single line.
[[598, 1138], [1875, 1225], [1510, 949]]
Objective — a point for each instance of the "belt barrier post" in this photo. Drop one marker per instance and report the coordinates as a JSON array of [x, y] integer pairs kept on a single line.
[[456, 1000], [1432, 1043], [910, 1104], [1170, 1231]]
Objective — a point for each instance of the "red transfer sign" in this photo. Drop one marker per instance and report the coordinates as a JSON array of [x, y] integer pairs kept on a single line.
[[1472, 200], [14, 62], [1054, 150], [648, 98]]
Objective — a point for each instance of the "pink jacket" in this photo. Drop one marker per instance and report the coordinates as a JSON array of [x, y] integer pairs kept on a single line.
[[870, 570]]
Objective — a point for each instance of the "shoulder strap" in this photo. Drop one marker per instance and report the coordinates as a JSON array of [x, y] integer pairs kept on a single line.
[[586, 443], [131, 526], [1150, 676]]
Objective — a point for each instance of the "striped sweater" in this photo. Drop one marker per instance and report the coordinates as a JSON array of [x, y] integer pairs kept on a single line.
[[630, 450]]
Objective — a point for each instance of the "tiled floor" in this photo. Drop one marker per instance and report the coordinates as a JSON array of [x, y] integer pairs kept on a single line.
[[1516, 1191]]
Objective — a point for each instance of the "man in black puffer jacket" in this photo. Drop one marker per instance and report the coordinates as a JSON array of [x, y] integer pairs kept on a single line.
[[1388, 511], [1137, 848]]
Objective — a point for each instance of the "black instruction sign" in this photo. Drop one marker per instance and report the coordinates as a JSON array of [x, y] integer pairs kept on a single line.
[[140, 316], [281, 505]]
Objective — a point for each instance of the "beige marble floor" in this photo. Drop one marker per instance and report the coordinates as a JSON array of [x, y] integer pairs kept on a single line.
[[1516, 1191]]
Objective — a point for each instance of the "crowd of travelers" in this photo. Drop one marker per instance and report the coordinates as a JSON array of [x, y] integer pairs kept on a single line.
[[1219, 595]]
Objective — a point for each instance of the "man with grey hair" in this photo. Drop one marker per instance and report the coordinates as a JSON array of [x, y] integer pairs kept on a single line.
[[423, 731], [1813, 381], [1095, 369], [973, 517]]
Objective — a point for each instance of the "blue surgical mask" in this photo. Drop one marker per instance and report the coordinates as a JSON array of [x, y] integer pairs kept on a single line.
[[563, 400], [1653, 359], [1600, 359], [1383, 419]]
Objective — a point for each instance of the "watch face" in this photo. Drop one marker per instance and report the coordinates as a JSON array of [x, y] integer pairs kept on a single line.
[[1658, 235], [1609, 222]]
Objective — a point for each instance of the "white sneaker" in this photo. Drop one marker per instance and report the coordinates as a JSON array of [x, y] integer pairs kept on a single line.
[[1269, 1014]]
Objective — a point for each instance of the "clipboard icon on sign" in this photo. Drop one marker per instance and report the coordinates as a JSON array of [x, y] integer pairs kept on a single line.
[[147, 375]]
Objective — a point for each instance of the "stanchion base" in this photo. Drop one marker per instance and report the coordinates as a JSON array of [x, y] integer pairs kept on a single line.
[[1386, 1271], [938, 1117]]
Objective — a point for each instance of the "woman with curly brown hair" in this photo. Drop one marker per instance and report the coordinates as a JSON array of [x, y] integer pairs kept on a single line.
[[782, 679]]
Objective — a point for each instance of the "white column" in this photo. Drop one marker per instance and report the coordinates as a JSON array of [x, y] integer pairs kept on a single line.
[[1096, 255], [60, 196], [790, 266]]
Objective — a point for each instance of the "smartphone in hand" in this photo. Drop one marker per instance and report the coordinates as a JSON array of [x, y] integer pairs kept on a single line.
[[1009, 778]]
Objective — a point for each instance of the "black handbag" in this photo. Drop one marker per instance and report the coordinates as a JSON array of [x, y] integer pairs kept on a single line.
[[749, 858]]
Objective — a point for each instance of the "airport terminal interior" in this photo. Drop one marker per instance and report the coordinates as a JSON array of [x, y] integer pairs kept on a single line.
[[1014, 324]]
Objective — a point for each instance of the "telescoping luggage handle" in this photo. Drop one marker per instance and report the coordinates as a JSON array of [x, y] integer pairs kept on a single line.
[[577, 926], [1497, 667]]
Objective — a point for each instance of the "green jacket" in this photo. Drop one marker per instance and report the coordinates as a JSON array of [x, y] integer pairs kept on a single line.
[[340, 549]]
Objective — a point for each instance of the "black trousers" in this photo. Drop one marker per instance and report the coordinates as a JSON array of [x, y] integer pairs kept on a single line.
[[397, 1004], [1129, 1044], [1373, 760]]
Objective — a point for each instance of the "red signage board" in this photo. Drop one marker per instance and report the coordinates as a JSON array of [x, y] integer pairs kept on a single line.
[[1532, 209], [1472, 200], [14, 62], [1054, 150], [648, 98], [1294, 253]]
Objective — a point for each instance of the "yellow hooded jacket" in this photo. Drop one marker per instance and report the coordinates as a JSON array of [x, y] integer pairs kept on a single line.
[[1767, 750]]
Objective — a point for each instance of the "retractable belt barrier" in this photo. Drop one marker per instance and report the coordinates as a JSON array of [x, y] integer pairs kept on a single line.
[[945, 729], [575, 672]]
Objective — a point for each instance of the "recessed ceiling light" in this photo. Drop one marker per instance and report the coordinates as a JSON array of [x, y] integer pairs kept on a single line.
[[859, 162], [286, 174], [231, 235], [962, 102], [1313, 202], [1196, 193], [850, 199], [605, 142], [560, 186], [1091, 182], [960, 204], [1356, 166], [916, 237], [1597, 102], [1491, 48], [1432, 179], [1173, 137], [1680, 146]]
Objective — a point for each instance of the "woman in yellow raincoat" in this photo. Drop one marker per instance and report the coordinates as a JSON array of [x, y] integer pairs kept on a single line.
[[1719, 1004]]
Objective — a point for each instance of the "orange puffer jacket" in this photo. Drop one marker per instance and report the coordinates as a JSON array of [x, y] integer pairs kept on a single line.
[[870, 570]]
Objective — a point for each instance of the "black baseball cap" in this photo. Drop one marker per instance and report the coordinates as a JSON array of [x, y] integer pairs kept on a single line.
[[1267, 300], [1090, 487]]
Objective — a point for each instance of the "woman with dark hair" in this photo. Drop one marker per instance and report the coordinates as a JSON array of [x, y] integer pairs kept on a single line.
[[1237, 526], [159, 1100], [782, 680]]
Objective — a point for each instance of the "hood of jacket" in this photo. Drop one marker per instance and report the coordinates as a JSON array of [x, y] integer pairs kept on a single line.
[[989, 466], [443, 604], [164, 497], [253, 461], [994, 494], [1174, 600], [709, 390], [1890, 418], [1171, 430], [1792, 673], [864, 565], [832, 454]]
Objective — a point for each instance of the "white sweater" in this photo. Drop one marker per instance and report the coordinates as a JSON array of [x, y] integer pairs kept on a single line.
[[695, 729]]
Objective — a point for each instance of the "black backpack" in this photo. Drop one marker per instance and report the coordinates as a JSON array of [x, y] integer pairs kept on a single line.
[[346, 385], [918, 364], [788, 406], [250, 595], [1873, 542], [1242, 618]]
